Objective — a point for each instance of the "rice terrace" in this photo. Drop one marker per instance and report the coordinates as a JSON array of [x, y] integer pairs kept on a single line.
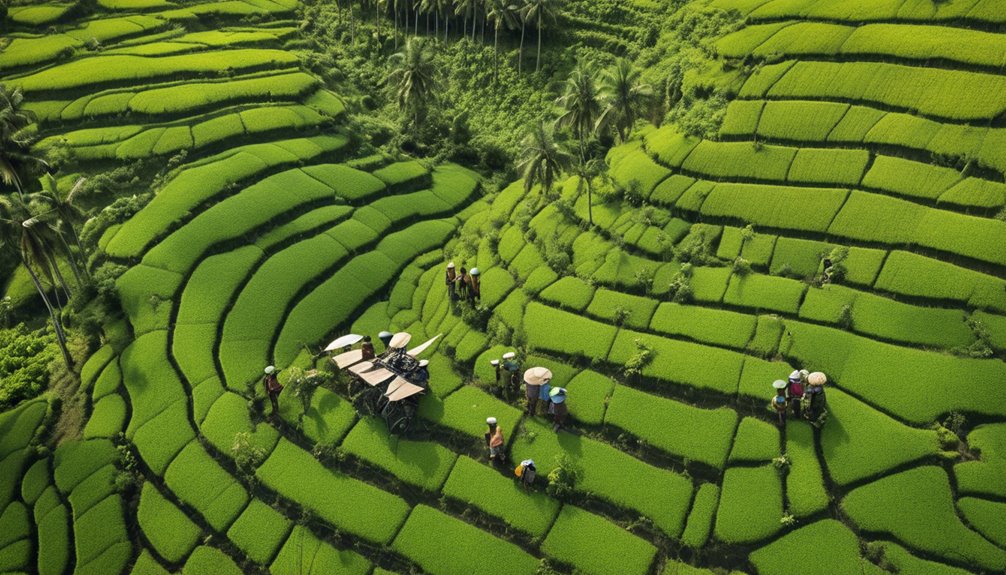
[[503, 287]]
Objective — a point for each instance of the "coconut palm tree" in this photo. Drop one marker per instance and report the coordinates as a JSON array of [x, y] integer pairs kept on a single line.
[[502, 13], [21, 231], [67, 216], [445, 7], [413, 78], [467, 9], [522, 10], [580, 103], [17, 161], [541, 12], [542, 158], [587, 170], [625, 96]]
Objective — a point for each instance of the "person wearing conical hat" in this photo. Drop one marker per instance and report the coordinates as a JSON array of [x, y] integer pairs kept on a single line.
[[560, 410], [422, 373], [794, 390], [817, 405], [272, 388], [533, 379], [495, 442], [779, 401], [463, 282], [526, 472], [511, 385], [368, 348], [451, 278], [474, 285]]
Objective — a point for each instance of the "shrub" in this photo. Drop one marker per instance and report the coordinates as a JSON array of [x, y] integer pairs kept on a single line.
[[259, 531], [756, 440], [24, 364], [672, 426], [424, 464], [906, 505], [596, 546], [167, 528], [451, 552], [347, 504], [750, 504], [700, 519], [498, 495]]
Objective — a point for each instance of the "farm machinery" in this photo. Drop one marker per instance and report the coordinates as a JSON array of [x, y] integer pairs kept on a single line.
[[389, 385]]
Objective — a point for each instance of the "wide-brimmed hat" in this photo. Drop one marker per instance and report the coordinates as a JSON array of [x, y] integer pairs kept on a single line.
[[400, 340], [537, 376], [795, 376], [779, 384], [509, 355], [450, 265], [491, 420], [474, 271], [270, 369], [494, 362], [424, 362], [817, 379], [558, 394]]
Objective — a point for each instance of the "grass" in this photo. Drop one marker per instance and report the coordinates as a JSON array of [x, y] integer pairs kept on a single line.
[[750, 505], [424, 464], [907, 504], [456, 545], [483, 487], [348, 504], [594, 545], [172, 534], [699, 434]]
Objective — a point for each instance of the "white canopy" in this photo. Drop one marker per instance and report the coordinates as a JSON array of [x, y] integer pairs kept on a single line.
[[346, 340], [400, 340], [421, 348], [377, 376], [344, 360]]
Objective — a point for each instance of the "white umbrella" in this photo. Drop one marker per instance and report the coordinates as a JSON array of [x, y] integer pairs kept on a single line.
[[421, 348], [344, 341], [400, 340]]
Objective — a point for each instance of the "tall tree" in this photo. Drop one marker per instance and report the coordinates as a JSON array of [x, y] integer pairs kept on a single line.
[[17, 160], [413, 78], [625, 97], [542, 158], [466, 9], [446, 7], [522, 12], [20, 231], [502, 13], [580, 103], [541, 12], [587, 170], [66, 217]]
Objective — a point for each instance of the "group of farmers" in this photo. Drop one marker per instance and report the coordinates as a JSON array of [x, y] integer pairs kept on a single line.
[[462, 284], [803, 394]]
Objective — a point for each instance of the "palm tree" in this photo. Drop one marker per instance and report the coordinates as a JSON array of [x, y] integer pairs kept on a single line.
[[413, 78], [466, 9], [542, 158], [625, 95], [587, 170], [540, 12], [580, 103], [501, 12], [447, 8], [522, 11], [17, 161], [19, 230], [68, 216]]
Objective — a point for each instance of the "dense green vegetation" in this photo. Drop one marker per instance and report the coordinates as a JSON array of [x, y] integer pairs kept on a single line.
[[672, 204]]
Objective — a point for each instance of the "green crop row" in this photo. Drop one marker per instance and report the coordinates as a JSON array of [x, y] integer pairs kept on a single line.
[[348, 504], [763, 292], [39, 14], [756, 441], [909, 504], [305, 554], [908, 178], [108, 418], [740, 160], [550, 329], [681, 362], [911, 274], [595, 546], [206, 179], [809, 209], [622, 309], [18, 426], [840, 555], [720, 327], [229, 416], [699, 434], [805, 488], [201, 482], [857, 363], [424, 464], [750, 505], [53, 540], [97, 70], [168, 529], [475, 484], [633, 169], [456, 545], [608, 473], [804, 258], [260, 531], [102, 542], [15, 543], [700, 518]]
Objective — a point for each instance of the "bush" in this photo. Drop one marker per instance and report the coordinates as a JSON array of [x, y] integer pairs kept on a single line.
[[24, 364], [596, 546]]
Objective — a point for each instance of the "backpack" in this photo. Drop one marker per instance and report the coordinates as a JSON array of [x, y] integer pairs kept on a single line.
[[796, 389]]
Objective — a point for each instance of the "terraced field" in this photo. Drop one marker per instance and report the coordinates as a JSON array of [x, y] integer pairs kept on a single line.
[[866, 132]]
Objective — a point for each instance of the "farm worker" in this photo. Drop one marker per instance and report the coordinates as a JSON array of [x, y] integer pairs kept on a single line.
[[499, 371], [422, 374], [463, 283], [532, 389], [544, 394], [450, 278], [494, 439], [817, 404], [368, 348], [474, 287], [512, 384], [272, 388], [794, 390], [526, 472], [779, 401], [559, 408]]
